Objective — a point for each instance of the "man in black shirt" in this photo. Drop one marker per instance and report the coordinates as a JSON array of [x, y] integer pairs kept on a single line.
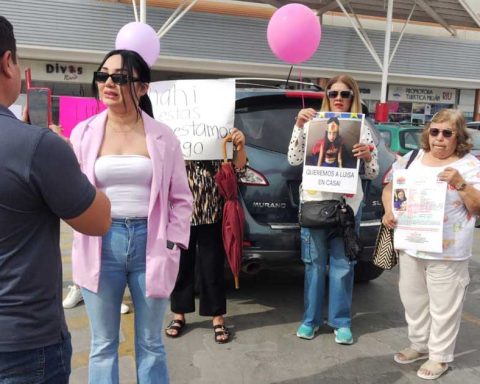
[[40, 182]]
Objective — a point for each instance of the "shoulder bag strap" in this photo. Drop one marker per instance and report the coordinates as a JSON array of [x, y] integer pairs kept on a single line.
[[412, 157]]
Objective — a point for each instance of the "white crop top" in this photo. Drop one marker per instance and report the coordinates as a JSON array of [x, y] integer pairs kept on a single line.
[[126, 180]]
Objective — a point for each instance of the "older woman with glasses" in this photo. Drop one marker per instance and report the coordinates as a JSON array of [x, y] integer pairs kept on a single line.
[[433, 285], [322, 247], [138, 163]]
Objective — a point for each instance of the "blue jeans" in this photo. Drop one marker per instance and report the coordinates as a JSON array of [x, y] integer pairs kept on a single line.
[[123, 262], [319, 248], [46, 365]]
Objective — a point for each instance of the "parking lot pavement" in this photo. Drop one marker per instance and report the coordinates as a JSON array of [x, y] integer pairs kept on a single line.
[[263, 316]]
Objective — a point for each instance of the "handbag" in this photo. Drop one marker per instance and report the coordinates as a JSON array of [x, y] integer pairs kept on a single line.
[[319, 214], [385, 255]]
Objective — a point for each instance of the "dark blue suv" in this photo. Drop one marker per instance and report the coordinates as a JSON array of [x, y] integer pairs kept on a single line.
[[269, 191]]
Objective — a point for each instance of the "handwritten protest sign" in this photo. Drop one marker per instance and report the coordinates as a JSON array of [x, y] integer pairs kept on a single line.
[[17, 110], [200, 112], [72, 110], [329, 164]]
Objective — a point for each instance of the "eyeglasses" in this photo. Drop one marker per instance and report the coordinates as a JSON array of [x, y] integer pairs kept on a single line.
[[117, 78], [343, 94], [447, 133]]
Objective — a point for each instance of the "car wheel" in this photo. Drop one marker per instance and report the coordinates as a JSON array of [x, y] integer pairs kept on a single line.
[[366, 271]]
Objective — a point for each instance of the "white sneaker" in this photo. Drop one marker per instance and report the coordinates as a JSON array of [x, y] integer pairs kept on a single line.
[[73, 298], [124, 308]]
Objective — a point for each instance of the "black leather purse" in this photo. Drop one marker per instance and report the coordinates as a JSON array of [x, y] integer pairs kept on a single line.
[[319, 214]]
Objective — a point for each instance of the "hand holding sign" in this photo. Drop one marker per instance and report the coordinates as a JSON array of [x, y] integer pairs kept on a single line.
[[200, 112]]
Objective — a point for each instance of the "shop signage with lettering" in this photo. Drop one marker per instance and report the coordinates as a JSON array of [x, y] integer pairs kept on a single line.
[[369, 91], [421, 94], [58, 71]]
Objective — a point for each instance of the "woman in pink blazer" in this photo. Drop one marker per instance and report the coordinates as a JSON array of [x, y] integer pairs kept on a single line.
[[138, 163]]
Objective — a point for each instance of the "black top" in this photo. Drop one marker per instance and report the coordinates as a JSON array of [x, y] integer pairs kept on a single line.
[[40, 182]]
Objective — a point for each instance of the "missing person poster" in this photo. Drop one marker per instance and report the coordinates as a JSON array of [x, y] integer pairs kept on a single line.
[[200, 112], [329, 164], [419, 207]]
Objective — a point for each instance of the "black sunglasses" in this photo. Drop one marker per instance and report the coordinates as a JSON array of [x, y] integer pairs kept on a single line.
[[117, 78], [447, 133], [343, 94]]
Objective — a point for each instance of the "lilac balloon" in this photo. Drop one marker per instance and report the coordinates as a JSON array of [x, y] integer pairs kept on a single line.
[[294, 33], [141, 38]]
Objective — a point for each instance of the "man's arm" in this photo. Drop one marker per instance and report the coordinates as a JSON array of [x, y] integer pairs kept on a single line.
[[95, 220], [56, 175]]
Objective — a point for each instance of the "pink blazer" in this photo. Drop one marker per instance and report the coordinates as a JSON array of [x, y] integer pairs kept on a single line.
[[169, 212]]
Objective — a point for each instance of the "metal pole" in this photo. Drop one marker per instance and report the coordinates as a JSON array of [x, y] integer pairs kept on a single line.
[[401, 34], [143, 11], [361, 35], [135, 13], [386, 52]]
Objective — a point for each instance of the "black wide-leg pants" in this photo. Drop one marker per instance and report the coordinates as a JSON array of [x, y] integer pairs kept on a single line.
[[203, 261]]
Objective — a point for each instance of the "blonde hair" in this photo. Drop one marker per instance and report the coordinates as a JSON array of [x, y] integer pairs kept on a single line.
[[356, 105], [454, 117]]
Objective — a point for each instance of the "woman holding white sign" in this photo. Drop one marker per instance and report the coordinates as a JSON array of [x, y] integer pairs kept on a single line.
[[326, 246], [204, 260], [433, 285]]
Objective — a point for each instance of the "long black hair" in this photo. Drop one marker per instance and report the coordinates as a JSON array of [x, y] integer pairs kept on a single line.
[[131, 61]]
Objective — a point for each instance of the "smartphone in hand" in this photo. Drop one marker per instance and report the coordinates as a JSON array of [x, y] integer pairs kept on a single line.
[[39, 106]]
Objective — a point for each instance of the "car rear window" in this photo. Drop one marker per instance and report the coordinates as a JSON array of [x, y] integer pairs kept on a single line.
[[387, 137], [267, 121], [475, 135], [410, 139]]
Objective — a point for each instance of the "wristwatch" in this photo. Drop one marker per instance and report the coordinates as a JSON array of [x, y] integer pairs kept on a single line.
[[460, 186]]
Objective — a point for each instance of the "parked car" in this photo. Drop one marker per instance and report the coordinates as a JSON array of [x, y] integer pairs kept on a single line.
[[269, 192], [474, 125], [401, 139], [475, 135]]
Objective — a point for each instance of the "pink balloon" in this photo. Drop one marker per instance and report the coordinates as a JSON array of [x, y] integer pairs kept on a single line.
[[141, 38], [294, 33]]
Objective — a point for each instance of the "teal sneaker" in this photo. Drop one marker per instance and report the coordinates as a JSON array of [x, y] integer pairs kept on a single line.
[[343, 336], [306, 332]]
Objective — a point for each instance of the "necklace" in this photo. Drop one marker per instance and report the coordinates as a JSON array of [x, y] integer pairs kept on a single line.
[[122, 129]]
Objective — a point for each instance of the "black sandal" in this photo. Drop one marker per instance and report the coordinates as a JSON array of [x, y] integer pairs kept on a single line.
[[221, 334], [175, 325]]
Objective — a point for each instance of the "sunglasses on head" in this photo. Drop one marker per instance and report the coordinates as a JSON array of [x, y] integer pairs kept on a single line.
[[447, 133], [347, 94], [117, 78]]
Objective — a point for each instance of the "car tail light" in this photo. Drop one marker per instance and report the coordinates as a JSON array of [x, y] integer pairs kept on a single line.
[[253, 177]]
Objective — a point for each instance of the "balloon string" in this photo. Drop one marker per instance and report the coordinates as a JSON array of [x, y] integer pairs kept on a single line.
[[288, 77], [300, 80]]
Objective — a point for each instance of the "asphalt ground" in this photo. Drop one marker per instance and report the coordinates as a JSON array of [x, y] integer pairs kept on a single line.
[[263, 317]]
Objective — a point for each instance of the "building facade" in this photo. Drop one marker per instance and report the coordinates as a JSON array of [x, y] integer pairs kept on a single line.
[[62, 41]]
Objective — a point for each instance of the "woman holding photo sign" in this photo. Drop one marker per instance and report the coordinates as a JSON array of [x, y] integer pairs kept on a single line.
[[433, 285], [326, 246], [138, 163]]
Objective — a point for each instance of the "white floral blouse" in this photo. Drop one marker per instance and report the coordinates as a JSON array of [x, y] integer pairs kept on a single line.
[[458, 223]]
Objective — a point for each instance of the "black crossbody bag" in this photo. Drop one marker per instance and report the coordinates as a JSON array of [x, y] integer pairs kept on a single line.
[[319, 214]]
